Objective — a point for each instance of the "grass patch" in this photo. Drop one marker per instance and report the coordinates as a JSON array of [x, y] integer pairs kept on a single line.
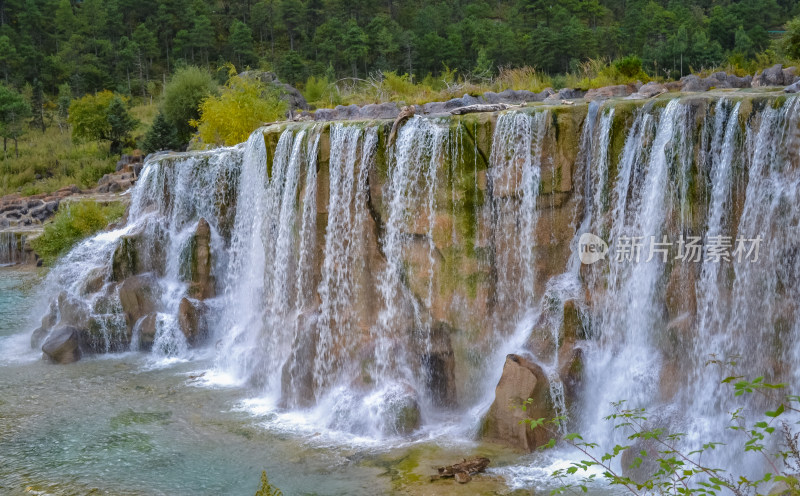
[[51, 160], [393, 87], [72, 223]]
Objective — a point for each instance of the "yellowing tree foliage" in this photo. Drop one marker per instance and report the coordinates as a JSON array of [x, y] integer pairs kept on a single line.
[[243, 105]]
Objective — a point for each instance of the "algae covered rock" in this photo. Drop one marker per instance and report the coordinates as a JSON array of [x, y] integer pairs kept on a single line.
[[402, 412], [125, 261]]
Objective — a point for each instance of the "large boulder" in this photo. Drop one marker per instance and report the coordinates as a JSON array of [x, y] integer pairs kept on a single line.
[[696, 83], [740, 82], [649, 90], [522, 380], [61, 346], [72, 311], [610, 92], [793, 88], [386, 110], [570, 94], [48, 321], [774, 76], [139, 296]]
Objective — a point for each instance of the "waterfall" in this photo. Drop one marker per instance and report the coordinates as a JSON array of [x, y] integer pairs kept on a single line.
[[11, 244], [256, 330], [513, 182], [340, 291], [625, 364], [376, 289]]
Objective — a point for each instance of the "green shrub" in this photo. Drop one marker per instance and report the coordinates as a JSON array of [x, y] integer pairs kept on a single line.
[[72, 223], [629, 67], [242, 106], [183, 95]]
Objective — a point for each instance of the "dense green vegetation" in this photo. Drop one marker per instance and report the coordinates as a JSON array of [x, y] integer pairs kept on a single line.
[[86, 66], [72, 224], [132, 46]]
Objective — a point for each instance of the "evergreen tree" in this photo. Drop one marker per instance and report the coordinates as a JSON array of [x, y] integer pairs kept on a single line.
[[37, 106], [241, 43], [120, 124], [13, 112], [160, 136]]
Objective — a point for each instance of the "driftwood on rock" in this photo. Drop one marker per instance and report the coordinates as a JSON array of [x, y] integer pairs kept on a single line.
[[405, 114], [469, 109], [463, 471]]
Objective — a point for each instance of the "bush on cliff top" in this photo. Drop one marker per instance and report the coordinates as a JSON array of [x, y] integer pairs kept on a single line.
[[242, 106], [72, 223]]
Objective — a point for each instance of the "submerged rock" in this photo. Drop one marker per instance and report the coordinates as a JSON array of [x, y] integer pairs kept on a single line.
[[521, 380], [403, 414], [62, 345]]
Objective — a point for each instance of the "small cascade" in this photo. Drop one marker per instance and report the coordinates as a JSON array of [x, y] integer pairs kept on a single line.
[[11, 244], [344, 304], [411, 202], [257, 318], [513, 182]]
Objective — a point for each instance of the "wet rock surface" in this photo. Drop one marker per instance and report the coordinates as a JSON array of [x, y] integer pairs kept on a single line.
[[61, 346], [522, 380]]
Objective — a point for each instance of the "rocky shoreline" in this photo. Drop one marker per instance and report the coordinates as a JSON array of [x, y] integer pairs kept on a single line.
[[22, 218]]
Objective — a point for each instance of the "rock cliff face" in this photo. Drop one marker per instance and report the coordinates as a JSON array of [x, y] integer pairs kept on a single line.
[[390, 283]]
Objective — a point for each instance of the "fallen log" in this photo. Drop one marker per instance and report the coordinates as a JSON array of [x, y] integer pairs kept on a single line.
[[480, 107], [463, 471]]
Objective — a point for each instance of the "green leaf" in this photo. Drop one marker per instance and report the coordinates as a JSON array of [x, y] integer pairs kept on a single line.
[[775, 413]]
